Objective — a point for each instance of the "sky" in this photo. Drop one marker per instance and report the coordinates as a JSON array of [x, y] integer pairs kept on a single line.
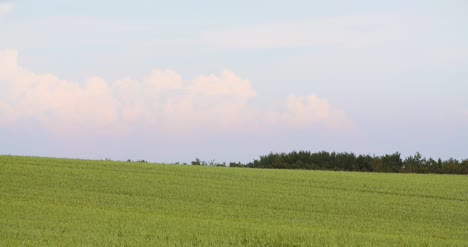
[[171, 81]]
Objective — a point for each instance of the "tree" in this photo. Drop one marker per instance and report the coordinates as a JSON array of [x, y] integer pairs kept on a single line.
[[196, 162]]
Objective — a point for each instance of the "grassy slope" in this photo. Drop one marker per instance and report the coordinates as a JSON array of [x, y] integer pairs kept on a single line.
[[64, 202]]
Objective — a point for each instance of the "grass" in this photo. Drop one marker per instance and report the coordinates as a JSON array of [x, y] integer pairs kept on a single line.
[[75, 202]]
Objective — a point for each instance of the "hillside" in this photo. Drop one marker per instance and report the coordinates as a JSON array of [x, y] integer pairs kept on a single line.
[[75, 202]]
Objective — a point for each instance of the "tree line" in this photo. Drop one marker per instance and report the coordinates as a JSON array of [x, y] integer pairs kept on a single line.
[[345, 161]]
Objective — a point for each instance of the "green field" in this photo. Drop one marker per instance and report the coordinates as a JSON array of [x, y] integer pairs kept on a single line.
[[73, 202]]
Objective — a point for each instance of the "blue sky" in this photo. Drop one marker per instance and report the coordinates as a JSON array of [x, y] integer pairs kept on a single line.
[[173, 80]]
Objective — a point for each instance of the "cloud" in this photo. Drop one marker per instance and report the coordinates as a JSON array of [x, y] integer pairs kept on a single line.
[[5, 8], [161, 102], [313, 110]]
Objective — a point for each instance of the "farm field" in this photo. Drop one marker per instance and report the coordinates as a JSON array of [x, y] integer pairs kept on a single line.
[[64, 202]]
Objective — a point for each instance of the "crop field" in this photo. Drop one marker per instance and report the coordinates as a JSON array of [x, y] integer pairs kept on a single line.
[[64, 202]]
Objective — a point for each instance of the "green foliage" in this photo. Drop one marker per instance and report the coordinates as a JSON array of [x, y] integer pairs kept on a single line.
[[198, 162], [59, 202], [350, 162]]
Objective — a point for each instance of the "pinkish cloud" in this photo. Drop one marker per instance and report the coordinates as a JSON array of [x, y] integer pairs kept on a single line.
[[162, 102]]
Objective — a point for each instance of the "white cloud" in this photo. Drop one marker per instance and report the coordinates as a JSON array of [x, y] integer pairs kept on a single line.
[[162, 102], [59, 104], [313, 110], [5, 8]]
